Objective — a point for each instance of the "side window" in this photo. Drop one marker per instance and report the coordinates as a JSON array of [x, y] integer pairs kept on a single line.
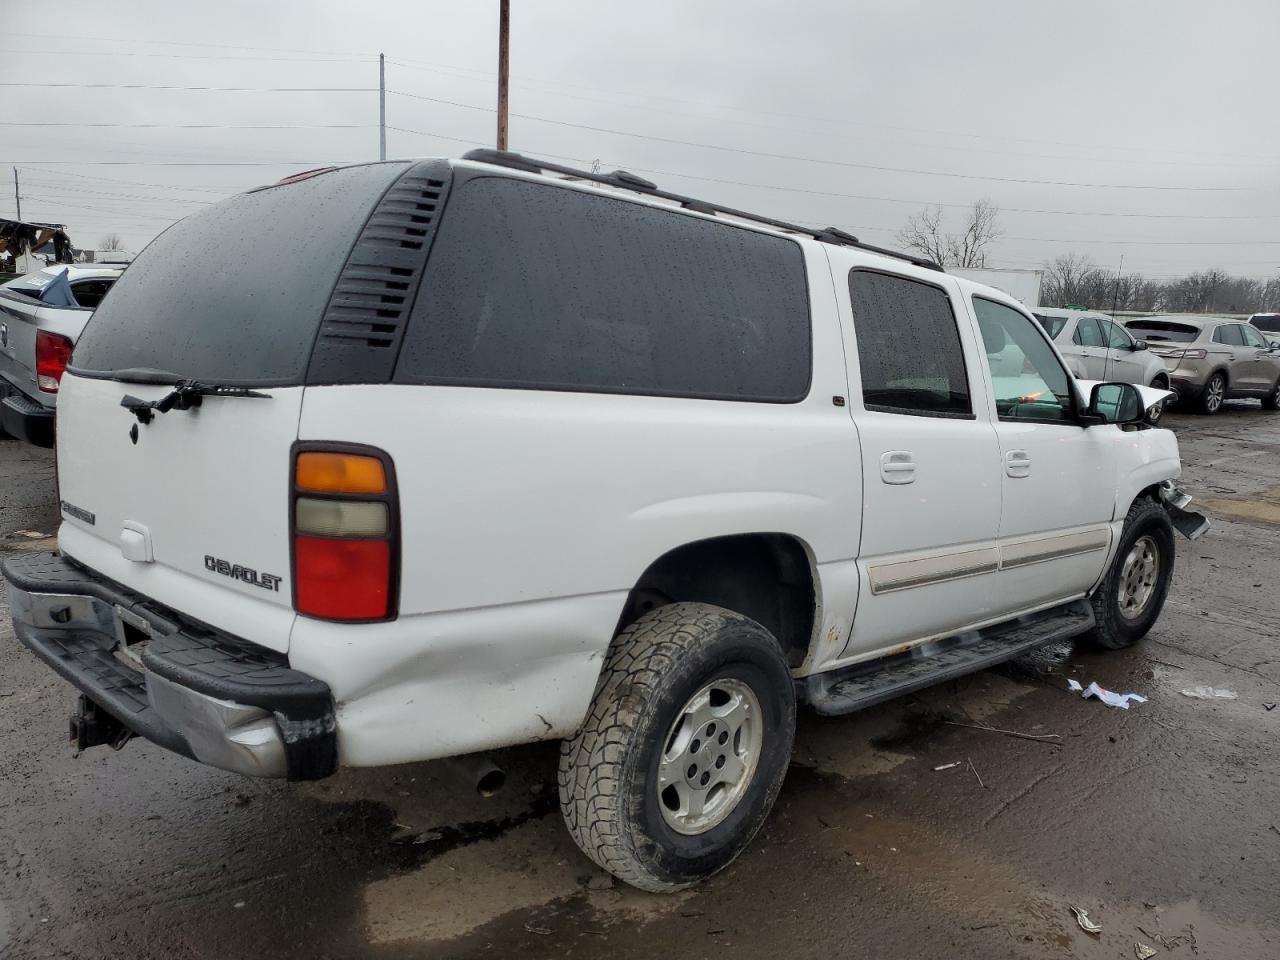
[[909, 348], [1087, 333], [532, 286], [89, 293], [1037, 387], [1116, 338], [1252, 337], [1229, 333], [1052, 325]]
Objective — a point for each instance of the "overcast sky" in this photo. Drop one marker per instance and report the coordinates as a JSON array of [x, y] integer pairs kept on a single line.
[[1147, 129]]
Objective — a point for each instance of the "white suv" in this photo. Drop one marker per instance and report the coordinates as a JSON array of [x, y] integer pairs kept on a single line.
[[496, 451]]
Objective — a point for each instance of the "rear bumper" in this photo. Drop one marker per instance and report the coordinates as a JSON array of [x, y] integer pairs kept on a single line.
[[26, 419], [217, 699]]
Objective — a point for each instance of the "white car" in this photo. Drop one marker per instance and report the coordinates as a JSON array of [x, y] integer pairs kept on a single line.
[[482, 452], [1097, 348]]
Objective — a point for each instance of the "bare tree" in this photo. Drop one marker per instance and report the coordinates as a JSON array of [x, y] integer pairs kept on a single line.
[[111, 241], [925, 234], [1074, 279]]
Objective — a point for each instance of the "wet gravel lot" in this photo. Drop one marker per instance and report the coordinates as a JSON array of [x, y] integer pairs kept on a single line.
[[1162, 822]]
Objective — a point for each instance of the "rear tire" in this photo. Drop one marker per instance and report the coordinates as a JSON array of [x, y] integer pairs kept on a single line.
[[669, 709], [1132, 594], [1270, 402], [1215, 391]]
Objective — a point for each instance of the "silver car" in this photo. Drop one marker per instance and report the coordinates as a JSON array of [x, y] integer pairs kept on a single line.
[[1211, 359], [1095, 347]]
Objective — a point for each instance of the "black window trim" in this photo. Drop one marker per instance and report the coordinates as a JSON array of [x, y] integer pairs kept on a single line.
[[463, 177], [911, 411], [1073, 395]]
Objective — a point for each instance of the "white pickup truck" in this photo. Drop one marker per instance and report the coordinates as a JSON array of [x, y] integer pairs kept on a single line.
[[41, 316], [481, 452]]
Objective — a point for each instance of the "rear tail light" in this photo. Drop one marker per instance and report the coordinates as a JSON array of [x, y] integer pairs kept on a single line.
[[1195, 353], [53, 352], [345, 534]]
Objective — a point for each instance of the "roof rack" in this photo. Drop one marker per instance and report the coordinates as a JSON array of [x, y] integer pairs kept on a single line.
[[629, 181]]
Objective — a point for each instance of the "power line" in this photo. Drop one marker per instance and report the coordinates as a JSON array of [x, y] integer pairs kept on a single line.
[[959, 206], [48, 54], [166, 86], [132, 183], [190, 126], [179, 43], [190, 163], [464, 73], [818, 160], [120, 213], [116, 196]]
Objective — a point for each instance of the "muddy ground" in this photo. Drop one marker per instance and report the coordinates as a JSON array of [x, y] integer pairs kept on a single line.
[[1163, 822]]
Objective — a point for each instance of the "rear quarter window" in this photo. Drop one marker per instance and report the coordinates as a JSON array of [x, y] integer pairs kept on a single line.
[[535, 286], [234, 294]]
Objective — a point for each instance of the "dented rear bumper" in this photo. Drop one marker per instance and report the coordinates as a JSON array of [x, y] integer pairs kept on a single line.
[[217, 699]]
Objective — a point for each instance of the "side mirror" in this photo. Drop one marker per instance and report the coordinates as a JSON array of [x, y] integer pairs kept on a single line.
[[1115, 403], [1140, 345]]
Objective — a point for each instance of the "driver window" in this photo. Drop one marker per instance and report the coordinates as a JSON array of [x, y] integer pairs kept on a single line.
[[1252, 337], [1116, 338], [1087, 334], [1035, 386]]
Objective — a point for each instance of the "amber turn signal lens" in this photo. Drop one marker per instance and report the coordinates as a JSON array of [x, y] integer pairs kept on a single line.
[[340, 473]]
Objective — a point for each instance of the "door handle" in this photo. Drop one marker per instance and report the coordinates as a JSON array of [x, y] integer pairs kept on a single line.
[[1017, 463], [898, 467]]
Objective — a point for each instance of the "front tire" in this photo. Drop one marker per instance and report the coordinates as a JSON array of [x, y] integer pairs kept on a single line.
[[1215, 391], [1270, 402], [1132, 594], [1157, 411], [685, 747]]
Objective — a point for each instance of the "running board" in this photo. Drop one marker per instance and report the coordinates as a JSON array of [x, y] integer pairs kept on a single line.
[[866, 684]]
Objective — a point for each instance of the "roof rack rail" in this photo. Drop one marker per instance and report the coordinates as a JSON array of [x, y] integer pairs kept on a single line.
[[629, 181]]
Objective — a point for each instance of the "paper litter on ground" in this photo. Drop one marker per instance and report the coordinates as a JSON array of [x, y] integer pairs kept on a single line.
[[1210, 693], [1110, 698]]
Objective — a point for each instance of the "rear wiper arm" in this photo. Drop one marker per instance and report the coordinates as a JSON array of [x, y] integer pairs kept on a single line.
[[184, 395]]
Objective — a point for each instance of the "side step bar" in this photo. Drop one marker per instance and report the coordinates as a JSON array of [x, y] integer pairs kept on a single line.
[[867, 684]]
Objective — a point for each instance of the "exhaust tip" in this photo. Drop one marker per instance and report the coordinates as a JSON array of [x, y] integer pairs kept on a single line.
[[490, 782]]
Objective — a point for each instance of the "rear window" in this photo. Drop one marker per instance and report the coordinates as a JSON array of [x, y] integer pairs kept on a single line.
[[234, 294], [541, 287], [1270, 323], [1052, 325], [29, 286], [1156, 330]]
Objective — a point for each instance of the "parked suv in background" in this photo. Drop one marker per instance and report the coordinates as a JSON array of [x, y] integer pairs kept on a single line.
[[482, 452], [41, 316], [1211, 359], [1269, 324], [1097, 348]]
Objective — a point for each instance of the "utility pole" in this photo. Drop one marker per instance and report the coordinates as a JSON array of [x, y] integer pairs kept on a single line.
[[382, 106], [504, 30], [17, 198]]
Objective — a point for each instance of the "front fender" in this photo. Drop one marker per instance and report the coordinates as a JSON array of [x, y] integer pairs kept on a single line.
[[1146, 458]]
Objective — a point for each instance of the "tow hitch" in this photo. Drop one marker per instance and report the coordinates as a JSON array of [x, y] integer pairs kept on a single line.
[[1189, 523], [91, 726]]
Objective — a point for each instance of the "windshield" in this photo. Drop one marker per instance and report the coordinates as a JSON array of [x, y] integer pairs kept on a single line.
[[234, 294], [1052, 325], [1157, 330]]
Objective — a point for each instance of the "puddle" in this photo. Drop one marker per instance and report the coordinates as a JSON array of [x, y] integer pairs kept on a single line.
[[1261, 507]]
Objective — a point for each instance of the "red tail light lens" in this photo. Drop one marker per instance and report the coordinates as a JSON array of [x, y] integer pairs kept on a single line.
[[1195, 353], [345, 542], [342, 579], [53, 353]]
